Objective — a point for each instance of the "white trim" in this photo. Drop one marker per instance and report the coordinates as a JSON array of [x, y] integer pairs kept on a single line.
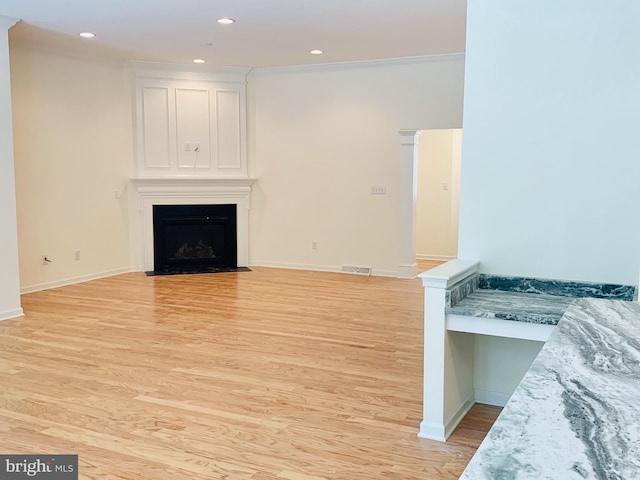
[[499, 328], [407, 267], [316, 268], [295, 266], [489, 397], [8, 314], [447, 57], [185, 191], [173, 71], [74, 280], [407, 271], [448, 274], [426, 256], [440, 432]]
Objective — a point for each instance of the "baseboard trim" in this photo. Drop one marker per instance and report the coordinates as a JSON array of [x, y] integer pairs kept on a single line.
[[9, 314], [407, 270], [489, 397], [426, 256], [74, 280], [440, 432], [317, 268]]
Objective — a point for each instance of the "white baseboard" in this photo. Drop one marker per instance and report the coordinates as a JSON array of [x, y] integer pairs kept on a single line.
[[8, 314], [316, 268], [73, 280], [441, 432], [426, 256], [488, 397]]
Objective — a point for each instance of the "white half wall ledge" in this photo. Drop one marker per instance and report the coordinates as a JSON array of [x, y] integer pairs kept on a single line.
[[449, 273]]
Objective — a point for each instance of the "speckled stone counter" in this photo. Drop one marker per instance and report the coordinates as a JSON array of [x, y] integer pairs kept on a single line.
[[516, 306], [528, 300], [576, 413]]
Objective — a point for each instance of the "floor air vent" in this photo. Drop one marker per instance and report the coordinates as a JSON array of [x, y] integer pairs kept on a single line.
[[356, 270]]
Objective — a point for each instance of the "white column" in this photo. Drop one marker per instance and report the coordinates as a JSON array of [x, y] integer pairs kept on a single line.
[[9, 271], [408, 191], [448, 356]]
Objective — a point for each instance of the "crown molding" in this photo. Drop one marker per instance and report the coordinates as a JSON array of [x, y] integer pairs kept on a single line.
[[386, 62], [7, 22], [175, 71]]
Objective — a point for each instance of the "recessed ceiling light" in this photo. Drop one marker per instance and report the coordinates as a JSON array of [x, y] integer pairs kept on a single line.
[[226, 21], [87, 34], [316, 52], [198, 60]]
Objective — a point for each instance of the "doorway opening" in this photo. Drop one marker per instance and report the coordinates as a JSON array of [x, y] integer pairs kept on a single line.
[[437, 196]]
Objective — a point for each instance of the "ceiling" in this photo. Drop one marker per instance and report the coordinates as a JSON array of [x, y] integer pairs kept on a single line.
[[267, 33]]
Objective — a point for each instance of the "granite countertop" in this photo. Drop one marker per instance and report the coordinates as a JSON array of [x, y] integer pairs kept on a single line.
[[516, 306], [576, 413]]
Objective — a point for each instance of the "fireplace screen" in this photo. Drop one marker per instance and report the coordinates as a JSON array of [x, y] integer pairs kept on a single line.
[[194, 237]]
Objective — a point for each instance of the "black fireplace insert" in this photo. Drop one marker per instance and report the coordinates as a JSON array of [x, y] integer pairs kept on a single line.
[[194, 238]]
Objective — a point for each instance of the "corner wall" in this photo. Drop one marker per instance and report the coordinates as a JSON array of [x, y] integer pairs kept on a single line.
[[321, 137], [9, 272], [550, 166], [73, 157]]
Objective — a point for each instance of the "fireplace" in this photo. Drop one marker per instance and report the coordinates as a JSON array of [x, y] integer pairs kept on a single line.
[[194, 238]]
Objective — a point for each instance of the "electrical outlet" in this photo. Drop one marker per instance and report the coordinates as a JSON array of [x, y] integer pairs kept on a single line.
[[77, 255], [187, 147], [314, 245], [196, 147]]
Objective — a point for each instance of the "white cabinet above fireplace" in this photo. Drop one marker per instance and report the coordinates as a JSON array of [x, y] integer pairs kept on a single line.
[[190, 123]]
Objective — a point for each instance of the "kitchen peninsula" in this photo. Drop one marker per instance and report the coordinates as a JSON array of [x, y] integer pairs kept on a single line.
[[576, 413]]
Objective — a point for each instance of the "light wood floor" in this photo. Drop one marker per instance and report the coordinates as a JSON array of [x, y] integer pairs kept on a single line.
[[269, 374]]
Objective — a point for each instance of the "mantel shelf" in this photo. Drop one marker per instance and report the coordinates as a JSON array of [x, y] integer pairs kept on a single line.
[[192, 181]]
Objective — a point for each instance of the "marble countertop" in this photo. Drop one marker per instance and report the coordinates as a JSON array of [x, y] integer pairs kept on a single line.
[[576, 413], [516, 306]]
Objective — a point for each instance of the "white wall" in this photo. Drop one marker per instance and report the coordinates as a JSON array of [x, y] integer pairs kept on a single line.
[[321, 137], [9, 273], [437, 208], [550, 152], [73, 155]]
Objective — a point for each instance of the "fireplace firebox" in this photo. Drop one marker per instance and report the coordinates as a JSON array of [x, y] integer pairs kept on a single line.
[[194, 238]]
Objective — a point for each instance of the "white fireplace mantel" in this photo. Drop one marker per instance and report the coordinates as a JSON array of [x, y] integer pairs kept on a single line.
[[147, 192]]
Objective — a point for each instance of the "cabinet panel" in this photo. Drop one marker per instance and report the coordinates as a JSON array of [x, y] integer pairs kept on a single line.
[[190, 124]]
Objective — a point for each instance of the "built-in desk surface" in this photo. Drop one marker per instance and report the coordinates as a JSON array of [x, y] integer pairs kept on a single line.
[[576, 413]]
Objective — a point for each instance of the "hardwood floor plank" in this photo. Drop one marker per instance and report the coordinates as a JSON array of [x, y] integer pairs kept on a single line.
[[269, 374]]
